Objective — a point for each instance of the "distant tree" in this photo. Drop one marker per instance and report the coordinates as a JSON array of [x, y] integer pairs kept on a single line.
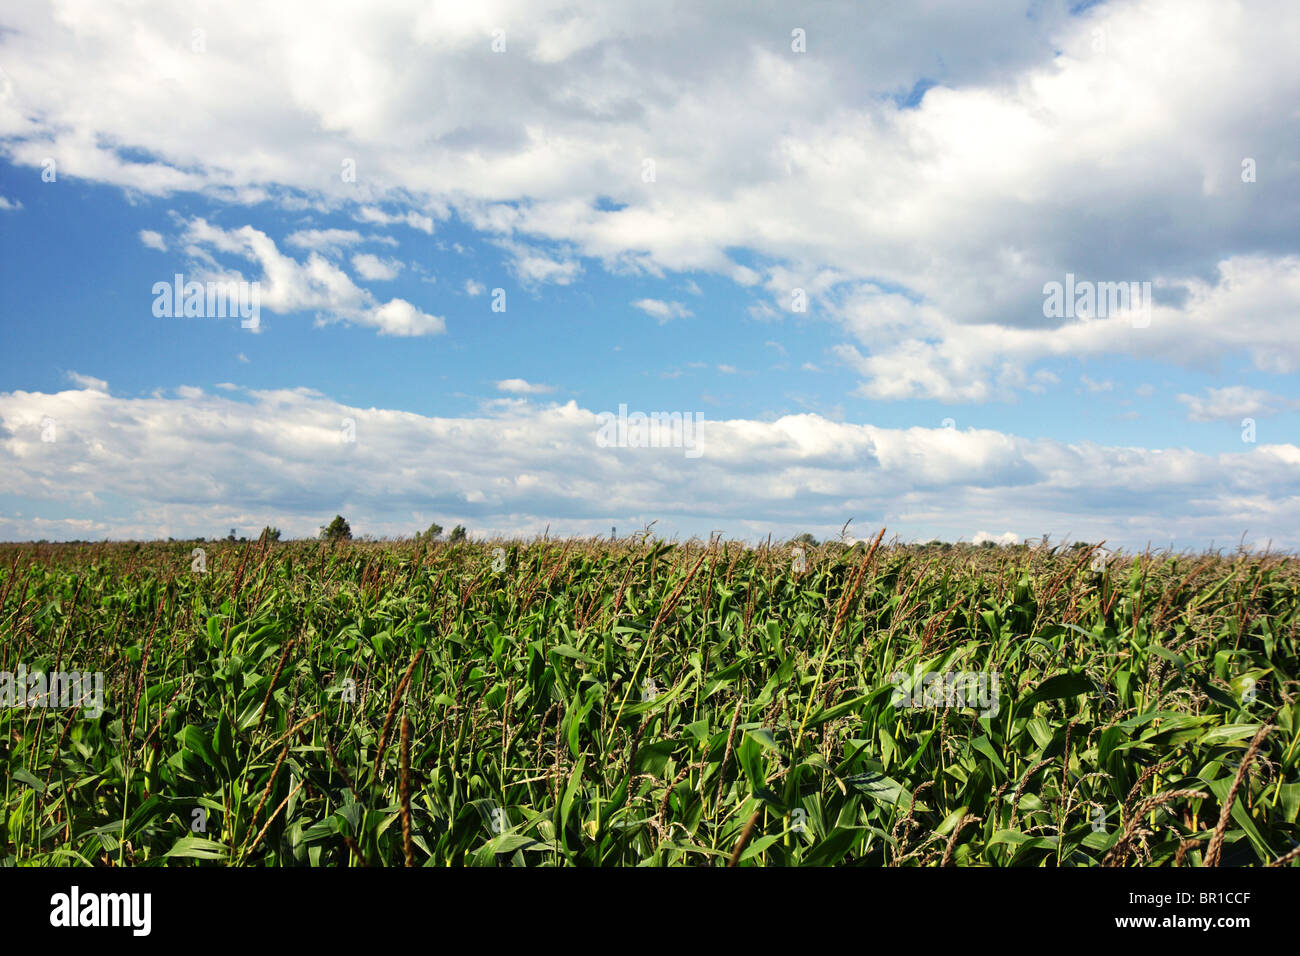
[[806, 539], [457, 534], [231, 536], [432, 533], [336, 530], [270, 534]]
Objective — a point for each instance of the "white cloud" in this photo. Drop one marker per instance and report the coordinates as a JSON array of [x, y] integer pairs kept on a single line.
[[1234, 403], [153, 240], [9, 205], [661, 310], [374, 268], [317, 284], [533, 267], [519, 386], [412, 218], [86, 381], [197, 463], [1007, 537], [327, 241], [399, 317], [474, 288], [917, 352]]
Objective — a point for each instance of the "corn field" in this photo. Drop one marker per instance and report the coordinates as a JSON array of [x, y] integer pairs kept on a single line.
[[644, 703]]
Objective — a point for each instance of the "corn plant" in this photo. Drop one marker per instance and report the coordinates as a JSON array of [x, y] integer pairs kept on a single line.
[[583, 703]]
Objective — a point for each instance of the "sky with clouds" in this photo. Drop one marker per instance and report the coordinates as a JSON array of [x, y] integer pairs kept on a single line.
[[824, 234]]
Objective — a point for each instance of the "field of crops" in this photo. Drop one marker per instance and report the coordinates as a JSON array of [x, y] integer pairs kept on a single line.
[[646, 703]]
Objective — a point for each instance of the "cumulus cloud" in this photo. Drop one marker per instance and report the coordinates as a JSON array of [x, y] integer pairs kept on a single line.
[[287, 285], [917, 352], [1233, 403], [9, 205], [86, 381], [372, 267], [415, 220], [663, 311], [192, 461], [1007, 537], [533, 266], [153, 240], [519, 386], [327, 241]]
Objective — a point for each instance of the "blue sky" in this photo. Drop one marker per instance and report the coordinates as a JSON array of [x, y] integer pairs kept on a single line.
[[652, 195]]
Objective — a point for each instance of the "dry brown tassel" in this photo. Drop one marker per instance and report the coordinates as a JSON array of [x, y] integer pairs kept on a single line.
[[406, 790], [744, 837]]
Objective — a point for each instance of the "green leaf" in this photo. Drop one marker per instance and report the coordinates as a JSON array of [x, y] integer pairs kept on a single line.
[[1229, 733], [764, 737], [198, 848], [1070, 684], [839, 710], [831, 850], [982, 745], [881, 788], [509, 842], [23, 775]]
